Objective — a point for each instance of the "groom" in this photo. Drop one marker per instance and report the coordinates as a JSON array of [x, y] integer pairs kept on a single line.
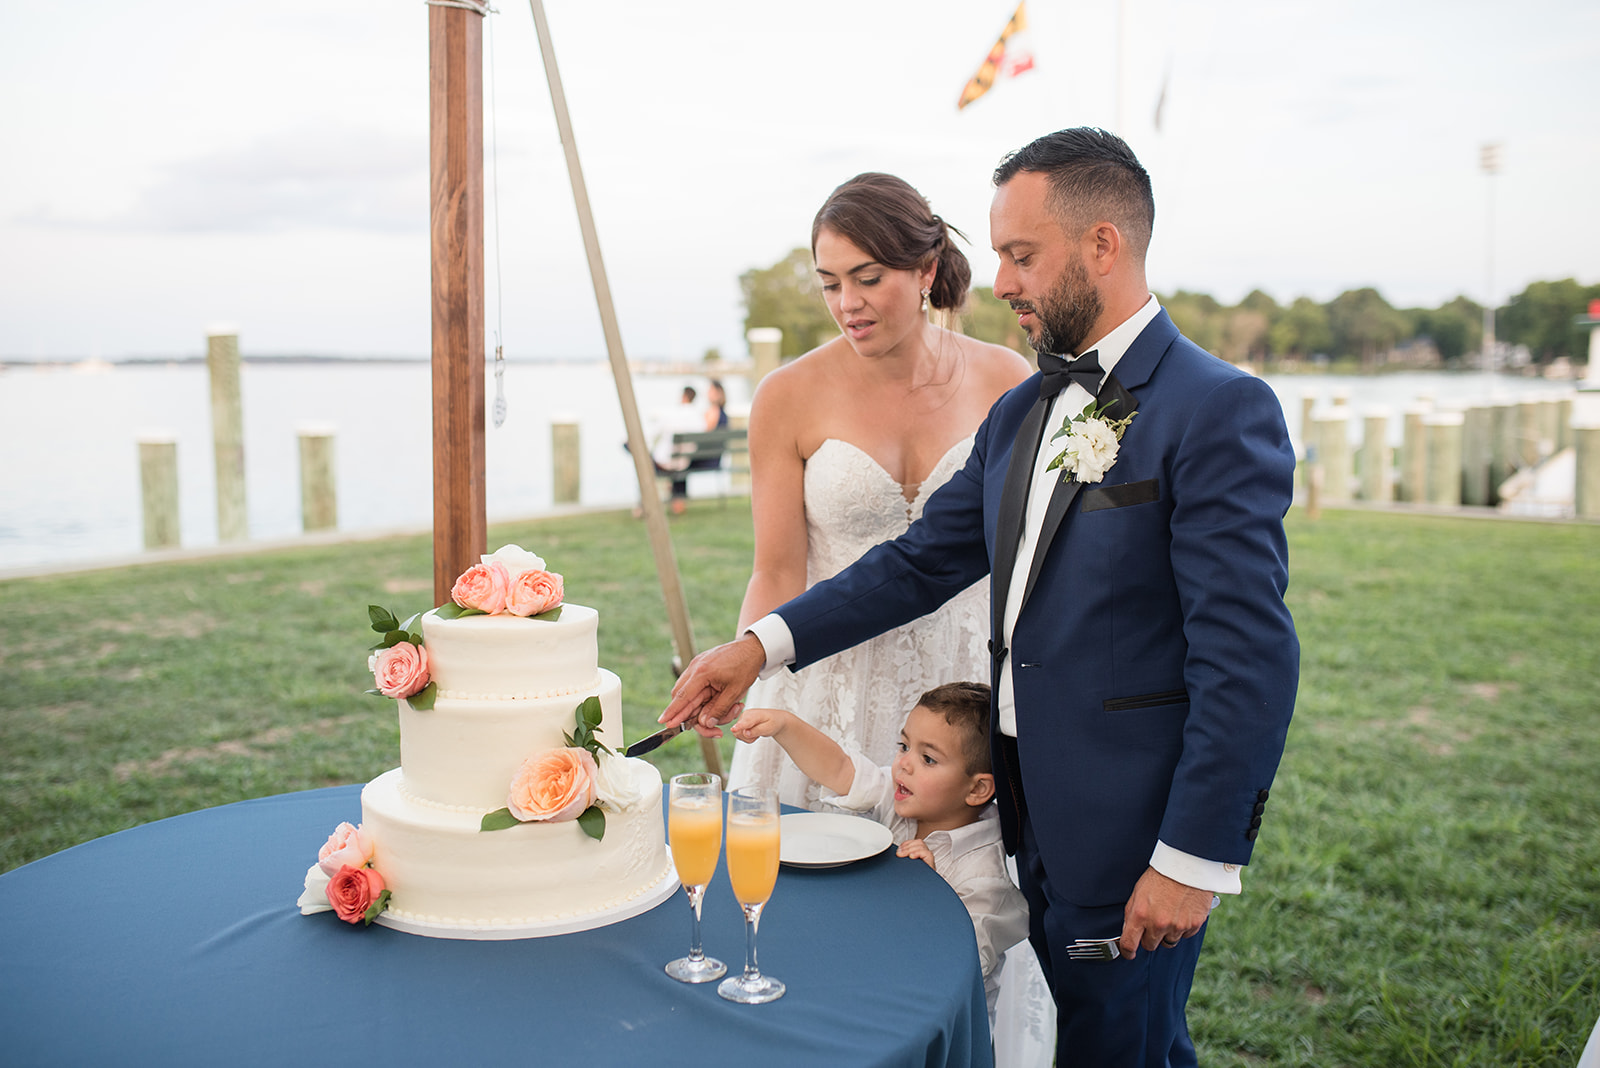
[[1144, 663]]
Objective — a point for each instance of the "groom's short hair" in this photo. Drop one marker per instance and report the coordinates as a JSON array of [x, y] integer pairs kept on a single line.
[[965, 706], [1093, 175]]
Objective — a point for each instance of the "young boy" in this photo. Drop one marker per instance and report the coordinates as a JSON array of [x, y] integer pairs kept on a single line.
[[935, 799]]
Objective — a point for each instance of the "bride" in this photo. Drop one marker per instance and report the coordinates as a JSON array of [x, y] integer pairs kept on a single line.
[[846, 445]]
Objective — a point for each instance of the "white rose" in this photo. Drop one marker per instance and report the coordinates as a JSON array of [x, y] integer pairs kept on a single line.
[[625, 783], [515, 560], [1094, 450], [315, 898]]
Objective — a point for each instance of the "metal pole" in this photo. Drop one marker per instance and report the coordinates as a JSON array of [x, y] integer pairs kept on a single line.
[[1122, 64], [655, 516], [1489, 158]]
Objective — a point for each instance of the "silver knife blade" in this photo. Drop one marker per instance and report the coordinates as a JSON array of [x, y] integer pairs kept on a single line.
[[645, 745]]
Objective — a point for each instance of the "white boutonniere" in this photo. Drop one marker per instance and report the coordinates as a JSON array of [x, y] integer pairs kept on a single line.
[[1092, 443]]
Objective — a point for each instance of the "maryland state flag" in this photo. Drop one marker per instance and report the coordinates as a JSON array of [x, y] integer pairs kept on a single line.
[[1009, 57]]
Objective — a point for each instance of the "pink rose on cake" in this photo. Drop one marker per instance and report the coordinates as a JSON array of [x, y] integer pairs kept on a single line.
[[533, 592], [484, 587], [352, 891], [400, 670], [347, 845], [556, 785]]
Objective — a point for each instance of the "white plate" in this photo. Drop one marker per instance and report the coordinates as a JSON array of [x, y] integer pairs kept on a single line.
[[827, 839]]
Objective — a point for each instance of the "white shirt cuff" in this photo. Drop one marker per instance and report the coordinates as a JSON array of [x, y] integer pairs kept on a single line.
[[1194, 871], [773, 634]]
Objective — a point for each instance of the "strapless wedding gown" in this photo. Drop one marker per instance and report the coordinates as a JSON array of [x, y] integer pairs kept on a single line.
[[860, 697]]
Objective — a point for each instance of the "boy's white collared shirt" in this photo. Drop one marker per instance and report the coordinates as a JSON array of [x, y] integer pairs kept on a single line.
[[970, 858]]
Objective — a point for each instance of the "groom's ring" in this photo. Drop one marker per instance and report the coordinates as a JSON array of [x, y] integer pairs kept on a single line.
[[1169, 941]]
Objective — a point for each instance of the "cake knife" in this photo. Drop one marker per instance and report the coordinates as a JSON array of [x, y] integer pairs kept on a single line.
[[646, 744]]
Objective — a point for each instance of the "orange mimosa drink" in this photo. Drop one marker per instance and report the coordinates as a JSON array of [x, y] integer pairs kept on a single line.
[[695, 826], [753, 857]]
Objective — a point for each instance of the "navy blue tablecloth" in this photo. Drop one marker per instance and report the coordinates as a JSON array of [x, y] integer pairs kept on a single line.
[[178, 943]]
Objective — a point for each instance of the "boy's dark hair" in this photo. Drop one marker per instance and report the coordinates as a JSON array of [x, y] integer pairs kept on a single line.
[[965, 706]]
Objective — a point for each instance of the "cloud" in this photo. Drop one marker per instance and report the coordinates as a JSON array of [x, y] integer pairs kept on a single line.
[[326, 179]]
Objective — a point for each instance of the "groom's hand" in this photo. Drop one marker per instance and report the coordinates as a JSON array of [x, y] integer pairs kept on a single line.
[[711, 686], [1161, 912]]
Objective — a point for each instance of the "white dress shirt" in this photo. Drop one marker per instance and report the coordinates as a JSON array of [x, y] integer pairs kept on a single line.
[[970, 858], [778, 643]]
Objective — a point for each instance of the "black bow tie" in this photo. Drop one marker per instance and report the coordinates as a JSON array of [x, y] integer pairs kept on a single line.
[[1059, 373]]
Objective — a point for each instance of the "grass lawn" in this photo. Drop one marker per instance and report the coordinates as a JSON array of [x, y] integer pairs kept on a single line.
[[1426, 890]]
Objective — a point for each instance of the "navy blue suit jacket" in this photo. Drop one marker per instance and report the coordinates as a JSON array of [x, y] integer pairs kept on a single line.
[[1154, 661]]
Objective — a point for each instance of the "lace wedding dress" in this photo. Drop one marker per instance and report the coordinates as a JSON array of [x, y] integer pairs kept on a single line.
[[860, 697]]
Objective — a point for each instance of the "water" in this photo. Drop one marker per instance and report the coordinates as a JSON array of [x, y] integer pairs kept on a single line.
[[69, 480]]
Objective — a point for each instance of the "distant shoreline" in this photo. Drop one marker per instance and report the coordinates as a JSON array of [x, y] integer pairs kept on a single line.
[[642, 365]]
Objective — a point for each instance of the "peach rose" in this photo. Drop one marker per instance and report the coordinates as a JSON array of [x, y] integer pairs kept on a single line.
[[482, 586], [347, 845], [556, 785], [352, 891], [533, 592], [400, 670]]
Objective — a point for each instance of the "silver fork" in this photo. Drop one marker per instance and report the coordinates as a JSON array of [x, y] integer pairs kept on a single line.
[[1094, 949]]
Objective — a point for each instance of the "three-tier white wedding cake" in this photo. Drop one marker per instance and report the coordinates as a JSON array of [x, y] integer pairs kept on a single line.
[[513, 812]]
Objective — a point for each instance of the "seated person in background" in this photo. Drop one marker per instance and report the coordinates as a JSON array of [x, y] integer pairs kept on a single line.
[[683, 418], [716, 406], [935, 799]]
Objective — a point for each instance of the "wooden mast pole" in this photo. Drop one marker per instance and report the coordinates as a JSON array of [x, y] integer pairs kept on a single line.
[[655, 516], [455, 156]]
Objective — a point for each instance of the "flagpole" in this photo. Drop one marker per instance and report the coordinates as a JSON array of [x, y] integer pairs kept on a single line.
[[1122, 65], [644, 468]]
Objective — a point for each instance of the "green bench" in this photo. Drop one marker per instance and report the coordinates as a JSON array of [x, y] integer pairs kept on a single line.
[[724, 450]]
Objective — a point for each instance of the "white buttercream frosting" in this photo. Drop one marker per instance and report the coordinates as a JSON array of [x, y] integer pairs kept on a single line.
[[508, 688]]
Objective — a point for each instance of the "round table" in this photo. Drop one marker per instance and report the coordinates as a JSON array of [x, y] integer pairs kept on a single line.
[[179, 943]]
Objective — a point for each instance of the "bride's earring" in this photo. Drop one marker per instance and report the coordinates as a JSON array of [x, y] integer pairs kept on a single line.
[[925, 291]]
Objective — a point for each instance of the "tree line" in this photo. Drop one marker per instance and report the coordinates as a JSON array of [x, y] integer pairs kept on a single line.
[[1358, 329]]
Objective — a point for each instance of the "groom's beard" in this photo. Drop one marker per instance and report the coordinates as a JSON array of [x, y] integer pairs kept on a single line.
[[1066, 314]]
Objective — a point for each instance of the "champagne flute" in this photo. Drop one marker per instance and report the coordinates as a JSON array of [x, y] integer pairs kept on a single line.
[[752, 869], [694, 823]]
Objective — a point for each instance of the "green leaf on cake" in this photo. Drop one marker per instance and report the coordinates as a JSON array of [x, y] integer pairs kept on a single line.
[[375, 693], [411, 625], [498, 820], [423, 699], [551, 616], [373, 910], [587, 717], [455, 611], [392, 638], [382, 619], [593, 822]]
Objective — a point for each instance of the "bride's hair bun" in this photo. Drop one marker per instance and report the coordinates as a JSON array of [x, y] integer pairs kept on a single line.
[[891, 222]]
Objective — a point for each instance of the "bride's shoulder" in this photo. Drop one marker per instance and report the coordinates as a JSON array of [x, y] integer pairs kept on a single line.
[[998, 366], [801, 374], [789, 390]]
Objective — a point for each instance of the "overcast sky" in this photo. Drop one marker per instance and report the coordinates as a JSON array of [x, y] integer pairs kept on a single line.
[[176, 165]]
